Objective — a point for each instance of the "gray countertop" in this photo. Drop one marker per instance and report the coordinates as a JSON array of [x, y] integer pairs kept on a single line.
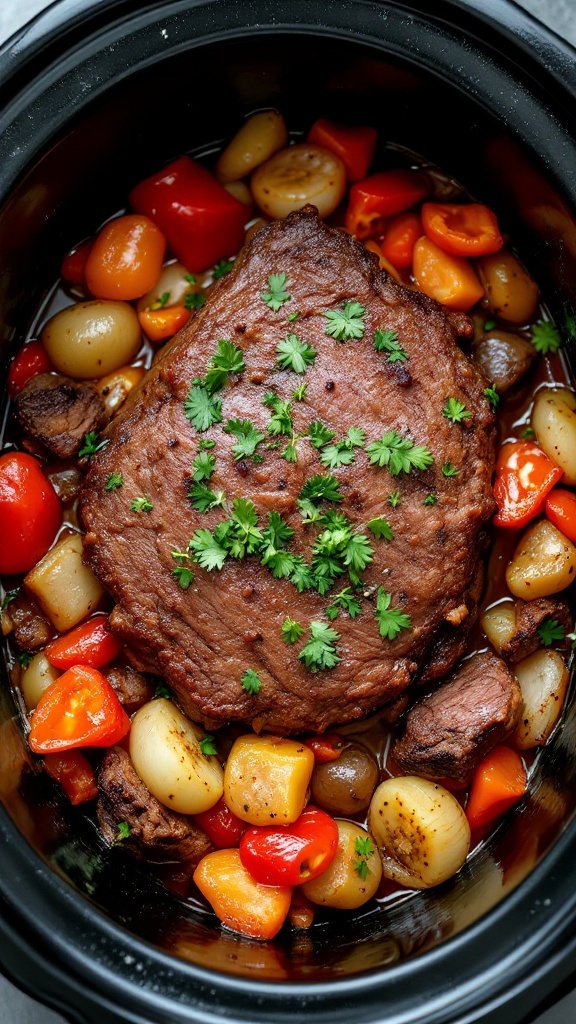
[[560, 15]]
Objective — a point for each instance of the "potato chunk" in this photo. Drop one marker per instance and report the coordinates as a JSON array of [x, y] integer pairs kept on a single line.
[[66, 589], [266, 779]]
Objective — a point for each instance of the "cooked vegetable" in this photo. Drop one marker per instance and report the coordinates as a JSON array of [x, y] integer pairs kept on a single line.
[[299, 175], [561, 511], [66, 589], [30, 513], [38, 675], [92, 644], [115, 387], [290, 854], [80, 709], [345, 785], [221, 825], [510, 291], [91, 339], [462, 229], [160, 324], [524, 476], [543, 563], [353, 143], [166, 750], [329, 746], [543, 679], [499, 623], [260, 136], [503, 357], [449, 279], [381, 195], [385, 264], [74, 773], [241, 903], [554, 422], [27, 363], [126, 258], [499, 782], [201, 221], [421, 831], [73, 268], [266, 779], [353, 876], [241, 191], [400, 237]]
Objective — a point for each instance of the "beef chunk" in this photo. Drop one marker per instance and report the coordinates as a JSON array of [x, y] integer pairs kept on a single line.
[[31, 628], [448, 733], [132, 688], [156, 833], [203, 639], [58, 411], [529, 617]]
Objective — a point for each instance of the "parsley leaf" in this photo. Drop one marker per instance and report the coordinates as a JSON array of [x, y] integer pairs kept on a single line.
[[394, 499], [399, 454], [24, 658], [163, 691], [318, 434], [201, 408], [380, 528], [527, 434], [358, 552], [299, 393], [281, 420], [184, 575], [276, 294], [207, 552], [9, 596], [320, 651], [240, 535], [161, 301], [549, 631], [387, 341], [344, 600], [203, 498], [455, 411], [124, 831], [492, 395], [247, 437], [430, 499], [364, 847], [341, 452], [346, 323], [91, 445], [293, 316], [194, 300], [113, 481], [489, 325], [207, 746], [141, 504], [251, 682], [291, 630], [205, 443], [295, 354], [221, 269], [228, 358], [320, 488], [203, 466], [449, 470], [545, 337], [391, 621]]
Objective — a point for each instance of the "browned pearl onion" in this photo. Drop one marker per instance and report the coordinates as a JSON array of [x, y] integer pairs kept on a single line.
[[345, 786]]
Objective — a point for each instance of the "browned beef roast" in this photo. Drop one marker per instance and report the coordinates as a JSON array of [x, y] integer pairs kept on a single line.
[[32, 630], [132, 688], [448, 733], [203, 639], [530, 615], [156, 833], [58, 412]]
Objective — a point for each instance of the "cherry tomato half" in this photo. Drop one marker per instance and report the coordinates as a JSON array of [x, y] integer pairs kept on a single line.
[[221, 825], [80, 709], [126, 258], [28, 362], [290, 854], [327, 747], [91, 643], [30, 513], [524, 475], [463, 229], [561, 511]]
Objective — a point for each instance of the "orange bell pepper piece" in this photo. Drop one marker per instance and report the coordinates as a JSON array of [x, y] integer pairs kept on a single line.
[[498, 783], [450, 280], [238, 900]]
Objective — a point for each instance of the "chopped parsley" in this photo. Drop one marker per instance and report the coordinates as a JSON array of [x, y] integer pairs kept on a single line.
[[299, 393], [276, 295], [320, 488], [320, 652], [228, 358], [201, 408], [91, 445], [295, 354], [141, 504], [247, 437], [9, 596], [380, 528], [549, 631], [293, 316], [163, 691], [203, 498], [399, 454], [182, 571], [221, 269], [344, 601], [203, 466], [205, 444], [545, 337], [207, 551], [456, 411], [251, 682], [200, 405], [489, 325], [394, 499], [527, 434], [24, 658], [391, 621], [364, 847], [430, 499], [194, 300], [281, 420], [346, 323], [124, 830], [318, 434], [492, 395], [341, 453], [113, 481], [387, 341], [207, 746], [449, 470], [291, 630]]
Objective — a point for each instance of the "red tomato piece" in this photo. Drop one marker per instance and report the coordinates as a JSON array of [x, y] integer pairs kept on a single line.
[[75, 775], [290, 854], [561, 511], [202, 222], [80, 709], [353, 143], [327, 747], [524, 475], [499, 782], [126, 258], [381, 195], [221, 825], [30, 513], [91, 644], [27, 363], [73, 268], [463, 229], [160, 324], [399, 240]]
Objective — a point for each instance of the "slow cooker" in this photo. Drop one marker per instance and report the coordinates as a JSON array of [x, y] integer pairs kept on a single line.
[[97, 94]]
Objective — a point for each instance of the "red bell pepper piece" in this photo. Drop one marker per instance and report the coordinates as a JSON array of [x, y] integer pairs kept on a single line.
[[30, 513], [353, 143], [463, 229], [381, 195], [73, 268], [399, 240], [327, 747], [91, 644], [524, 476], [28, 362], [74, 773], [221, 825], [499, 782], [561, 511], [290, 854], [80, 709], [201, 221]]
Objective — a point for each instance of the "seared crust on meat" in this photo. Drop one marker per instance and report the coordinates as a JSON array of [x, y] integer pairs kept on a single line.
[[204, 638]]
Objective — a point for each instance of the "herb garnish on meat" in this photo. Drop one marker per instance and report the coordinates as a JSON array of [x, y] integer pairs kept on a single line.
[[387, 341], [295, 354], [320, 652], [251, 682], [91, 445], [391, 621], [276, 295], [346, 323], [492, 395], [398, 454], [449, 470], [141, 504], [291, 630], [247, 437], [455, 411], [113, 481]]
